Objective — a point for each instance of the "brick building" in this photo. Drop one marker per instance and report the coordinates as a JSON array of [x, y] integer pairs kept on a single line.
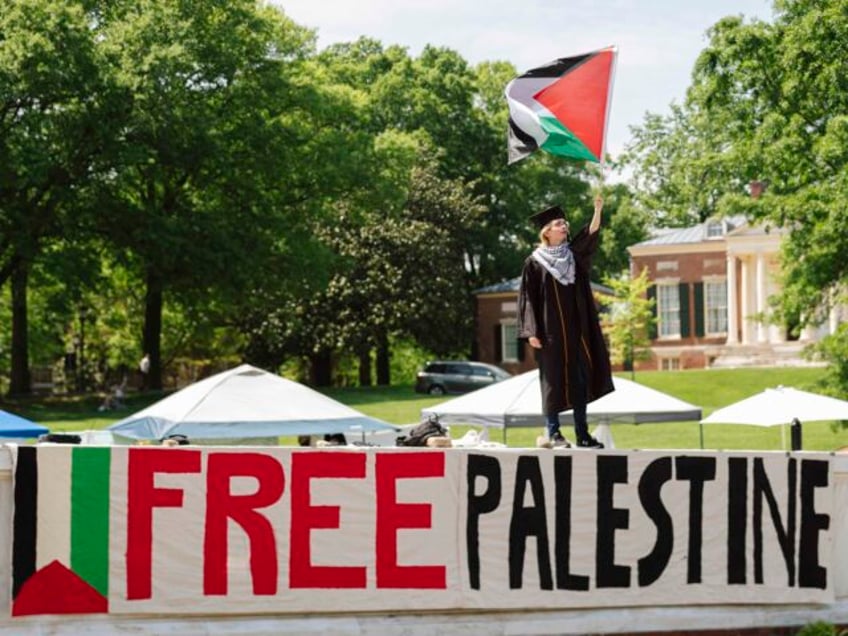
[[711, 284]]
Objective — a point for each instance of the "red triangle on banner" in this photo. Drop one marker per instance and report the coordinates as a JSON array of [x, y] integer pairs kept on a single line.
[[55, 589], [579, 98]]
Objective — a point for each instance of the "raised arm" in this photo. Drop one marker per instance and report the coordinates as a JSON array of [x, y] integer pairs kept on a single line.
[[595, 225]]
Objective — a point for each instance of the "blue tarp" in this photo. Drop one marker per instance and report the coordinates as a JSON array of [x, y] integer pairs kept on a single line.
[[12, 425]]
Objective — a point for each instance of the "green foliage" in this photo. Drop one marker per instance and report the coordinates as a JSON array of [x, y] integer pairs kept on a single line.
[[197, 179], [625, 222], [768, 102], [629, 315], [396, 273], [833, 350], [51, 127], [819, 628]]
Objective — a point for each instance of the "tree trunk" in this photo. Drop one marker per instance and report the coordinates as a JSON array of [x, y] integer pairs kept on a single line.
[[320, 369], [384, 375], [19, 380], [152, 332], [365, 368]]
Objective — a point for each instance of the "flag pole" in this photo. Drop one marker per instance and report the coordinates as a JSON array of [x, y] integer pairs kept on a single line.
[[603, 166]]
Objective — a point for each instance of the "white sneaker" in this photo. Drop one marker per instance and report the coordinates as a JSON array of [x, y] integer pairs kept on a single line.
[[543, 442], [558, 441]]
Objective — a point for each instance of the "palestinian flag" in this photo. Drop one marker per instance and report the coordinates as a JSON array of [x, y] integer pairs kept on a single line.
[[60, 558], [562, 107]]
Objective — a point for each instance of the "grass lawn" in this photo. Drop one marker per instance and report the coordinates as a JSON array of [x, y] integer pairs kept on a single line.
[[709, 388]]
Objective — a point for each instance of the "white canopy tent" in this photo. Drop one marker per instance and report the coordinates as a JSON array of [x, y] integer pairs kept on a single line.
[[517, 402], [245, 403], [780, 406]]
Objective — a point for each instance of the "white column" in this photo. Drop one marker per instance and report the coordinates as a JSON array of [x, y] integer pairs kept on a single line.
[[808, 334], [732, 323], [777, 332], [761, 326], [746, 302]]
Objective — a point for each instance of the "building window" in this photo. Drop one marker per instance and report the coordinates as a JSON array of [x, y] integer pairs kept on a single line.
[[668, 310], [509, 342], [669, 364], [715, 229], [715, 307]]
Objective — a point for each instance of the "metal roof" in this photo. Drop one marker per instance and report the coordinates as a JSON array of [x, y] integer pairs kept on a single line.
[[694, 234]]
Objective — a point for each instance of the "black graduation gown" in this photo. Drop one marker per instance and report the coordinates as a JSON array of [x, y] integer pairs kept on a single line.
[[565, 319]]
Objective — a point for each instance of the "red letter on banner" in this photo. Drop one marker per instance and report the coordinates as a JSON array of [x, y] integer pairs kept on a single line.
[[305, 517], [142, 497], [222, 505], [392, 516]]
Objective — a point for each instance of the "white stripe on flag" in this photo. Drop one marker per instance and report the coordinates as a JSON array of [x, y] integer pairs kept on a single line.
[[53, 524]]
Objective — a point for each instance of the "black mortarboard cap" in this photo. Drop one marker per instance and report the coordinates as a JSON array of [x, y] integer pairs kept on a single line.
[[541, 219]]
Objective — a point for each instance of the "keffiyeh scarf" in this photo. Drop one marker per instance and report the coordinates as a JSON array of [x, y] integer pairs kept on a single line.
[[558, 260]]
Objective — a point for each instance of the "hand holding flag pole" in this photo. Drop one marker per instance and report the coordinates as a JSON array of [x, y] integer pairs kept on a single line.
[[562, 107]]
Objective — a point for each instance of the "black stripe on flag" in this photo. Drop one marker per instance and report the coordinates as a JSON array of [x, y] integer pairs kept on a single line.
[[26, 498], [527, 140], [559, 67]]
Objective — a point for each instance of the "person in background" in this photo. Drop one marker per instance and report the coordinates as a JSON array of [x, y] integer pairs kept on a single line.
[[558, 317]]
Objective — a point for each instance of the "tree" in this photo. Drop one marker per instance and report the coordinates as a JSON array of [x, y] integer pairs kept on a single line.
[[628, 320], [625, 222], [833, 349], [768, 102], [392, 273], [213, 124], [55, 110]]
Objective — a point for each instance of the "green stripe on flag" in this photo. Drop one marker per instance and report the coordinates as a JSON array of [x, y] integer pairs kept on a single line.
[[90, 516], [561, 141]]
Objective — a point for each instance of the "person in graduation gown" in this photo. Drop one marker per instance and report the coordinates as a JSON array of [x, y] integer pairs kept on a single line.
[[558, 317]]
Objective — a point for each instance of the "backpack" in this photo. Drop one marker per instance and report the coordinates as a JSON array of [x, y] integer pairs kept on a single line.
[[419, 435]]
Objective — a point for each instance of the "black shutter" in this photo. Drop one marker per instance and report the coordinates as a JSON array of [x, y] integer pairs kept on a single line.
[[684, 310], [498, 345], [521, 344], [699, 310], [652, 327]]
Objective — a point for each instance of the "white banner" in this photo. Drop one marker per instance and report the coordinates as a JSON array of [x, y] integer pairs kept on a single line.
[[258, 530]]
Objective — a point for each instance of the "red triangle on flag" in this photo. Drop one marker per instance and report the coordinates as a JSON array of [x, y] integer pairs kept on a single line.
[[578, 99], [55, 589]]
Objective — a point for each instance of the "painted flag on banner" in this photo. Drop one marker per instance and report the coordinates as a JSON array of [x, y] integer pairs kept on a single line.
[[562, 107], [61, 535]]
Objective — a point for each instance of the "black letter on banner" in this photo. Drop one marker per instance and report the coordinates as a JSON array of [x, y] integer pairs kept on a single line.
[[612, 469], [653, 478], [490, 468], [737, 518], [762, 488], [696, 470], [529, 521], [810, 573], [562, 543]]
